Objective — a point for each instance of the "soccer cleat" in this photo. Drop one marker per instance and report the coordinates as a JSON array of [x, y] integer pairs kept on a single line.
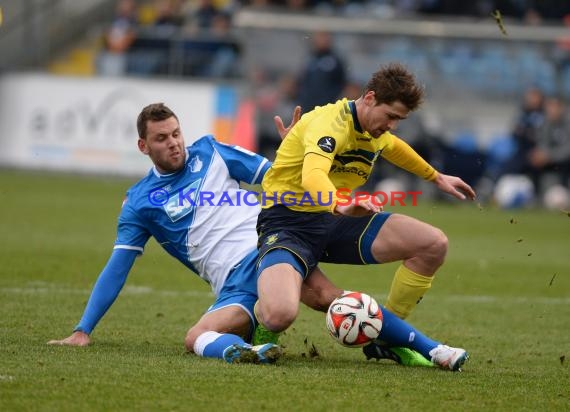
[[262, 335], [447, 357], [265, 354], [403, 356]]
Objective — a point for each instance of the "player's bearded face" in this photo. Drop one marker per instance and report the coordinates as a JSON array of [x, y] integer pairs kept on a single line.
[[164, 144], [384, 117]]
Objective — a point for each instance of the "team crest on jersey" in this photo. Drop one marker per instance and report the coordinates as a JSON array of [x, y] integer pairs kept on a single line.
[[327, 144], [271, 239], [195, 164]]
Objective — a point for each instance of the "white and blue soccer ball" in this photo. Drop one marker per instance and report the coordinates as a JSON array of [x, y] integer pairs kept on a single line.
[[354, 319], [514, 191]]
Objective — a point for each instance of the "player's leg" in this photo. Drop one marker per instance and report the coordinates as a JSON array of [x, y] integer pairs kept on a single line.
[[220, 334], [279, 290], [387, 237], [318, 292], [351, 243], [217, 330], [226, 329], [290, 244], [397, 333], [421, 248]]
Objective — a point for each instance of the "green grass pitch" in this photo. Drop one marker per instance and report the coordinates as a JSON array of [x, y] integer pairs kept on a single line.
[[503, 294]]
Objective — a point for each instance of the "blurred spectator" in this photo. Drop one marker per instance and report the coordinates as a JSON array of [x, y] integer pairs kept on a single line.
[[452, 7], [258, 4], [168, 16], [550, 159], [201, 16], [507, 157], [211, 50], [150, 54], [324, 77], [297, 5], [225, 50], [118, 38], [562, 51], [539, 10], [529, 119]]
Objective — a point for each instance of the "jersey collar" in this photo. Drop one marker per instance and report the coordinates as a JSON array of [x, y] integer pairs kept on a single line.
[[357, 126]]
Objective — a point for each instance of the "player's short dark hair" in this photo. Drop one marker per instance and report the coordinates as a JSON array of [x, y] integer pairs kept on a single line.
[[394, 82], [155, 113]]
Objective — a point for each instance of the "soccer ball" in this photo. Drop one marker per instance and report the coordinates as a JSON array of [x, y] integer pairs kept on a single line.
[[354, 319]]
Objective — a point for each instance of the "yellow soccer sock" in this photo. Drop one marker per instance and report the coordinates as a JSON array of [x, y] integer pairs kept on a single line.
[[406, 291]]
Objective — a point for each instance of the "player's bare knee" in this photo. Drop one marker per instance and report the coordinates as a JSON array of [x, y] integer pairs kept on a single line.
[[279, 319], [437, 248]]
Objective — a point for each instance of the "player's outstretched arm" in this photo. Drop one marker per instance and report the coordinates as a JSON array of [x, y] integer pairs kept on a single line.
[[281, 129], [106, 289], [75, 339], [455, 186]]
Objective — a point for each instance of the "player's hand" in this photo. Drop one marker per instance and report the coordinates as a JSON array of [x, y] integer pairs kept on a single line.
[[357, 209], [281, 127], [76, 339], [454, 186]]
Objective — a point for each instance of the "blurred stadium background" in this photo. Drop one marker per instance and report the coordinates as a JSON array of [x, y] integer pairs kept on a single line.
[[75, 73]]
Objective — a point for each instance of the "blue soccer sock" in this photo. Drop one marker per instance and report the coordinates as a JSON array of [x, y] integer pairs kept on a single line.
[[397, 332], [213, 344]]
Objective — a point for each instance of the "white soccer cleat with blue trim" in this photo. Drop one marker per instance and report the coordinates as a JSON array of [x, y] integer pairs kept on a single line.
[[447, 357], [264, 354]]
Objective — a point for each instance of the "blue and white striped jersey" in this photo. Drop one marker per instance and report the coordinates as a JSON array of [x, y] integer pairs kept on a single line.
[[199, 215]]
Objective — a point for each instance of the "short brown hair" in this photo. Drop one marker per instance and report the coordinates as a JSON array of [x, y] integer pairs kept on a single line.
[[394, 82], [155, 113]]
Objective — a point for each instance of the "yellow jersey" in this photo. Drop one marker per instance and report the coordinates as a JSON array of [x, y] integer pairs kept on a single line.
[[331, 131]]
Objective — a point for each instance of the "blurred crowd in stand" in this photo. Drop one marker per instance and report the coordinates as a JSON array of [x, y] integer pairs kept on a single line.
[[530, 11], [195, 37], [174, 37], [530, 165]]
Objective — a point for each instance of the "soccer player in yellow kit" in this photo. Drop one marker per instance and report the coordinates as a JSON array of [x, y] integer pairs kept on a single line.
[[303, 221]]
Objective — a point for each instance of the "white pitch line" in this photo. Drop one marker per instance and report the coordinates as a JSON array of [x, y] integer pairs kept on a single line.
[[127, 290], [45, 288]]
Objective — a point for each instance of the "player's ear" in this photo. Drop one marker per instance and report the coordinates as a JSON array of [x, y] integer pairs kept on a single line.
[[143, 147], [370, 98]]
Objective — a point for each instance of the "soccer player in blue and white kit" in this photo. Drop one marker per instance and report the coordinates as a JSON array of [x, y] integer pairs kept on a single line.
[[173, 203], [192, 204]]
